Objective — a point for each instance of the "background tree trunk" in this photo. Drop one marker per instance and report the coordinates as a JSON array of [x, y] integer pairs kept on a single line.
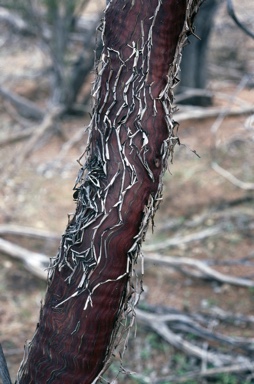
[[117, 192], [193, 73]]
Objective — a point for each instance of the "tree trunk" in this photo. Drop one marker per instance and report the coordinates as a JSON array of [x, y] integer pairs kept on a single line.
[[117, 192]]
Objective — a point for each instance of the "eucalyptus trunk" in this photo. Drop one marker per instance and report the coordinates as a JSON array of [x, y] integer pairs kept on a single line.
[[91, 287]]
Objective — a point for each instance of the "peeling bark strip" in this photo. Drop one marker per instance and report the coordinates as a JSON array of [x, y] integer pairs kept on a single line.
[[117, 192]]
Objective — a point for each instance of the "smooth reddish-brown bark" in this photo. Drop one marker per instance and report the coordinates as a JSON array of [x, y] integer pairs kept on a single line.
[[131, 134]]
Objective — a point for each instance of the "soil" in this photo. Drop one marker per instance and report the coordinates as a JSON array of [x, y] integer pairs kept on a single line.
[[38, 193]]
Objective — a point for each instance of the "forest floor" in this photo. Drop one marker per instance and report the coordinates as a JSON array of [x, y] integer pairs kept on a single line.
[[38, 194]]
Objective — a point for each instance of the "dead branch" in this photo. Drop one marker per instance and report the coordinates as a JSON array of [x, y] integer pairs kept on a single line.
[[17, 230], [226, 212], [189, 324], [158, 324], [193, 328], [66, 147], [15, 22], [204, 271], [33, 261], [176, 241], [203, 113], [14, 351], [217, 229], [235, 368], [25, 108], [226, 316], [189, 266], [191, 92], [232, 14], [201, 270], [227, 111], [187, 93], [225, 72], [46, 126], [234, 180], [25, 123], [249, 123], [84, 24], [16, 137]]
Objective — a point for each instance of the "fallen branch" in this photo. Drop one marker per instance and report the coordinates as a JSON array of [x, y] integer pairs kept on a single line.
[[187, 93], [211, 372], [226, 316], [234, 180], [232, 14], [40, 261], [158, 324], [84, 25], [12, 112], [16, 22], [36, 262], [16, 137], [33, 261], [193, 328], [226, 212], [46, 125], [7, 229], [14, 351], [66, 147], [193, 267], [206, 271], [189, 324], [235, 368], [203, 113], [223, 226], [176, 241], [25, 107]]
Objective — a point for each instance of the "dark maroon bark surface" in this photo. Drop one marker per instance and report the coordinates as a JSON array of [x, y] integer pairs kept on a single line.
[[117, 191]]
